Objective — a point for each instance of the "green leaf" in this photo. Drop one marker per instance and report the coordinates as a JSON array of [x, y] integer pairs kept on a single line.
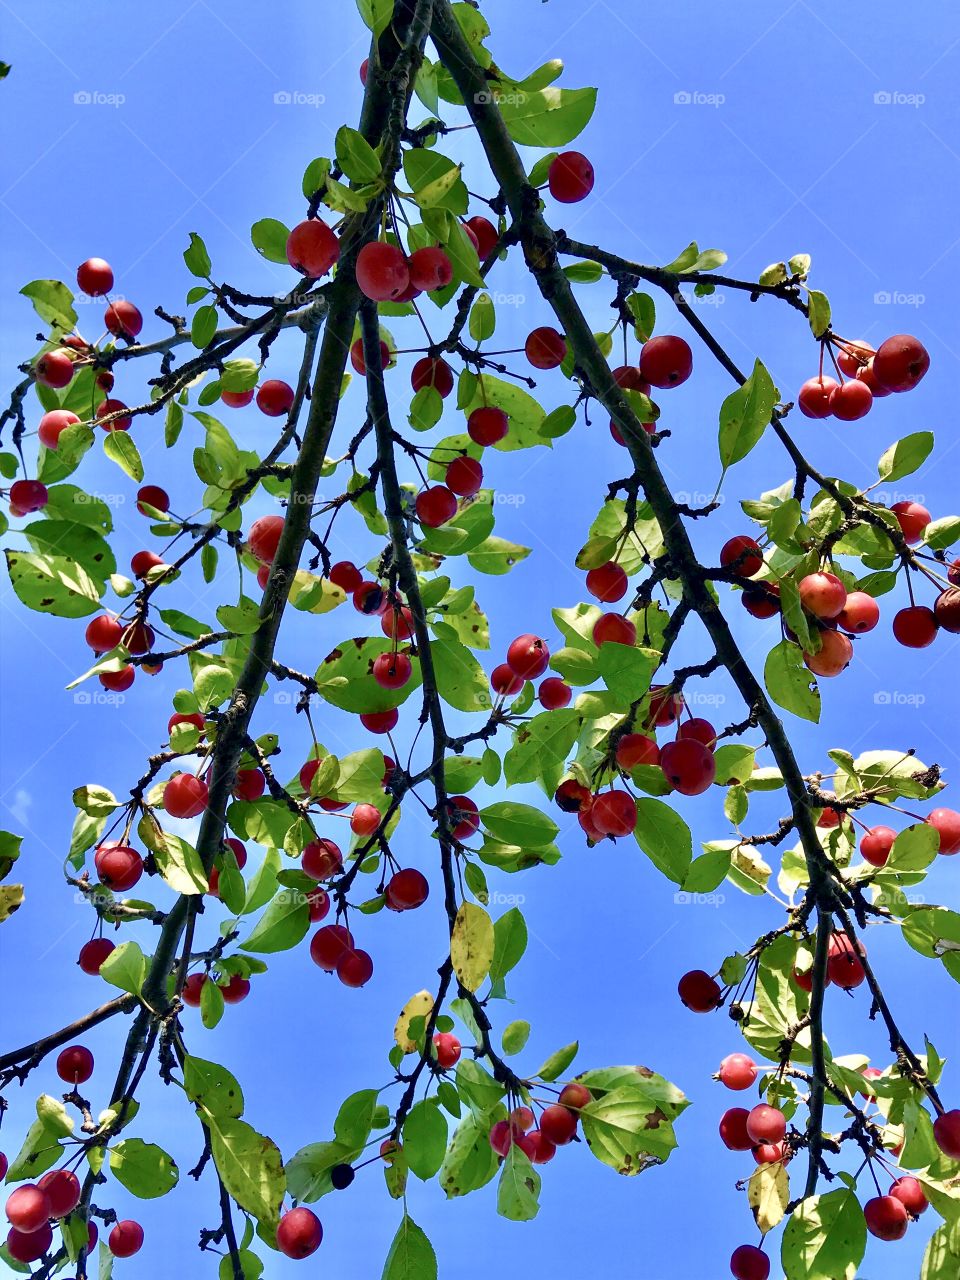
[[52, 584], [250, 1166], [472, 944], [665, 838], [819, 306], [515, 1036], [376, 14], [196, 258], [212, 1088], [284, 924], [549, 117], [179, 864], [308, 1170], [40, 1151], [203, 327], [53, 303], [270, 239], [510, 942], [120, 448], [941, 1260], [825, 1238], [942, 533], [483, 318], [519, 1187], [789, 682], [470, 1161], [914, 848], [744, 415], [144, 1169], [411, 1255], [627, 1129], [521, 824], [905, 456], [556, 1065], [355, 156], [496, 555], [461, 680], [425, 1139], [125, 967], [211, 1004], [345, 681]]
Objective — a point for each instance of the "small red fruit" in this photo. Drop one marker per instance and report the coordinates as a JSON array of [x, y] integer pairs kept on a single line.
[[264, 538], [249, 785], [107, 407], [391, 670], [666, 361], [612, 628], [701, 731], [28, 1247], [900, 362], [813, 399], [743, 555], [125, 1239], [299, 1233], [312, 248], [733, 1129], [345, 575], [912, 519], [909, 1191], [63, 1190], [464, 477], [614, 813], [485, 234], [274, 397], [946, 1133], [575, 1095], [545, 348], [860, 613], [27, 496], [766, 1124], [487, 426], [435, 506], [28, 1208], [382, 272], [123, 319], [505, 681], [886, 1218], [608, 582], [688, 766], [446, 1048], [118, 681], [54, 369], [143, 561], [406, 890], [843, 962], [570, 177], [92, 955], [635, 749], [699, 992], [118, 866], [876, 844], [379, 721], [822, 594], [151, 495], [851, 401], [432, 373], [238, 399], [321, 859], [355, 968], [429, 268], [946, 822], [832, 657], [915, 627], [748, 1262], [528, 656], [237, 989], [185, 796], [95, 277], [75, 1064], [737, 1071], [554, 693], [192, 989], [558, 1124], [52, 424]]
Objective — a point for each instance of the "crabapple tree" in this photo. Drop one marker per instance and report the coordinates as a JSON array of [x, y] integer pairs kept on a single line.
[[394, 255]]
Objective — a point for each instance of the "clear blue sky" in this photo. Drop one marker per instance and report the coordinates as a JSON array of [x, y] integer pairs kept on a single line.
[[796, 153]]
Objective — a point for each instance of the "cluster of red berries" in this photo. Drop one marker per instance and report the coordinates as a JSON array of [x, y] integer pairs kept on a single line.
[[898, 364], [527, 659], [557, 1126]]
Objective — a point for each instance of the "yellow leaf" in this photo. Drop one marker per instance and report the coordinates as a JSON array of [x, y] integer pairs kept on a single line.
[[418, 1006], [768, 1193], [471, 945], [11, 897]]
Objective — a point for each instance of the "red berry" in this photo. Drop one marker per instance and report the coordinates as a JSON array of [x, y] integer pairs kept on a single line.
[[571, 796], [875, 845], [357, 357], [429, 268], [249, 785], [505, 681], [701, 731], [237, 399], [118, 681], [743, 555], [699, 992], [666, 361], [465, 817], [665, 705], [364, 68], [322, 859], [946, 610], [382, 272], [575, 1095], [406, 890], [380, 721], [886, 1218], [843, 962], [748, 1262], [464, 476], [194, 719], [312, 248], [766, 1124], [95, 277], [28, 1208], [105, 408], [27, 496], [851, 401], [545, 348], [185, 796], [151, 495], [558, 1124], [435, 506], [860, 613], [909, 1191], [193, 988], [52, 424], [611, 628], [397, 624], [608, 582], [346, 576], [264, 538], [946, 1133], [118, 866], [92, 955], [761, 601], [912, 519], [354, 968], [485, 234], [237, 989], [123, 319], [138, 638], [364, 820], [28, 1246], [329, 944], [446, 1048], [75, 1065], [54, 369], [318, 904], [833, 655], [539, 1148], [733, 1129], [946, 822], [487, 426], [554, 693], [62, 1189], [813, 399], [688, 766], [274, 397], [900, 362], [432, 373], [822, 594], [915, 627], [142, 562], [737, 1071], [635, 749], [299, 1233], [570, 177], [501, 1137], [370, 598], [528, 656], [391, 670], [770, 1153], [614, 813], [629, 377], [125, 1239]]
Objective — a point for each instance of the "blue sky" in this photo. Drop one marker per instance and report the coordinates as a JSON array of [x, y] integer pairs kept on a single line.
[[807, 128]]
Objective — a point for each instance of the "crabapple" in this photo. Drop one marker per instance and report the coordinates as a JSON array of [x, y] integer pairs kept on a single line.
[[355, 968], [900, 362], [118, 681], [123, 319], [558, 1124], [429, 268], [370, 597], [860, 613], [743, 555], [575, 1095], [851, 400], [912, 519], [192, 989], [614, 813], [688, 766], [54, 369], [275, 397], [435, 506], [397, 623], [379, 721], [501, 1137], [571, 796], [612, 628], [505, 681], [665, 705], [853, 356], [699, 992], [346, 576], [329, 944], [766, 1123], [487, 426], [27, 496], [545, 348], [194, 718], [813, 399], [822, 594], [464, 476], [748, 1262], [737, 1071], [28, 1208], [318, 905], [391, 670], [321, 859], [554, 693], [62, 1188], [92, 955], [364, 820], [946, 607], [237, 989], [358, 360], [570, 177], [761, 601], [142, 562], [946, 1133], [28, 1246], [185, 796], [701, 731], [238, 399], [264, 538], [95, 277], [832, 657], [465, 816], [608, 582], [528, 656], [151, 495], [541, 1149], [382, 272], [635, 749], [666, 361], [52, 424], [733, 1129], [886, 1218], [843, 962], [138, 638], [118, 866], [248, 784], [312, 248], [907, 1190], [875, 845], [107, 407], [446, 1047], [915, 627], [946, 823], [585, 818], [75, 1064], [485, 234], [432, 373], [364, 68], [406, 890], [770, 1153], [125, 1238], [629, 377]]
